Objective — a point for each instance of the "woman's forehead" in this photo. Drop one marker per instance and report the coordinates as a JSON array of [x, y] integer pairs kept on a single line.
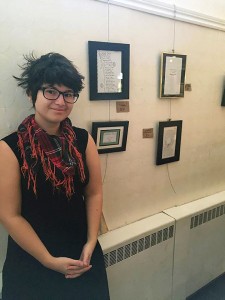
[[60, 87]]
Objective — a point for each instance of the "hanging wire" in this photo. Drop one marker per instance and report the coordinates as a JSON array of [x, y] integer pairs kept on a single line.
[[170, 179], [108, 19], [170, 103], [174, 27], [170, 108], [106, 165], [106, 160], [108, 5]]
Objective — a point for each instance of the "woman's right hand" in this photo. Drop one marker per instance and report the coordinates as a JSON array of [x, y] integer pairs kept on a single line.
[[71, 268]]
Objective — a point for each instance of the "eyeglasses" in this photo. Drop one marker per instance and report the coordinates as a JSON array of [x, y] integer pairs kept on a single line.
[[51, 93]]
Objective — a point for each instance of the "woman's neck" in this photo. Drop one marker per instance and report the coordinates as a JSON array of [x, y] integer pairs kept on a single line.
[[50, 128]]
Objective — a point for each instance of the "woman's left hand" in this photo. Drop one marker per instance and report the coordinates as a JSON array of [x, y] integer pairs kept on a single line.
[[87, 252]]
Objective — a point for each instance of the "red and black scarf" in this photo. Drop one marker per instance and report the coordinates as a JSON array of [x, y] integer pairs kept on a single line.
[[58, 155]]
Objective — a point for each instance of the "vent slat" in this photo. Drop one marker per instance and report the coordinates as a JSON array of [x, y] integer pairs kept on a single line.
[[165, 234], [134, 248], [171, 230], [147, 241], [141, 245], [153, 239], [127, 251]]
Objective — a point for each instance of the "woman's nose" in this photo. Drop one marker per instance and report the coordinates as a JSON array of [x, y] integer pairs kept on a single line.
[[60, 100]]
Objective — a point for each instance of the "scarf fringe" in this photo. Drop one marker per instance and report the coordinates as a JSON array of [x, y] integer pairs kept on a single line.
[[28, 141]]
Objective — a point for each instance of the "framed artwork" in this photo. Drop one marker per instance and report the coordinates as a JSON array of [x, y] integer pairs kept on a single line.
[[109, 70], [169, 141], [110, 136], [172, 77]]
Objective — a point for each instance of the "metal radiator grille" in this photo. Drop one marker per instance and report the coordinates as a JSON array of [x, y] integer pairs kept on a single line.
[[207, 216], [138, 246]]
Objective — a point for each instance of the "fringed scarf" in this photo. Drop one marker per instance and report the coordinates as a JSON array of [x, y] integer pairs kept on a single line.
[[58, 155]]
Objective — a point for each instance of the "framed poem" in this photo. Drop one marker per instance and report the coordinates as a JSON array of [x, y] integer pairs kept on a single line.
[[172, 75], [169, 142], [110, 136], [109, 70]]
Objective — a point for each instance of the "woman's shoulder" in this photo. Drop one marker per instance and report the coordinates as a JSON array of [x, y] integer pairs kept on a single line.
[[80, 131], [11, 140]]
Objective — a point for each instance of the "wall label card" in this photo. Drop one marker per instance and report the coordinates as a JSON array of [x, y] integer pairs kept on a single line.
[[122, 106]]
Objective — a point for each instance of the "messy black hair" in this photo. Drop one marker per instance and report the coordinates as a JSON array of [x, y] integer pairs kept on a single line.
[[52, 68]]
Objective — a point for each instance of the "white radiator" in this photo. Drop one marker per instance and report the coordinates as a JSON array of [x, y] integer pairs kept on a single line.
[[139, 259], [199, 250], [169, 255]]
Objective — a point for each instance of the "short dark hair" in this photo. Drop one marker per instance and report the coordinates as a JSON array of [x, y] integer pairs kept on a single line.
[[51, 68]]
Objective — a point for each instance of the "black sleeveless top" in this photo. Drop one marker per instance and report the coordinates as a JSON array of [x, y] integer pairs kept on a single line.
[[61, 225]]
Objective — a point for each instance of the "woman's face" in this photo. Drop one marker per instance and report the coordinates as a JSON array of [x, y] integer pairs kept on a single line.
[[49, 113]]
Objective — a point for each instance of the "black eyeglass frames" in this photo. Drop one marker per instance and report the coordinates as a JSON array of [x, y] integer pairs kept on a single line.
[[51, 93]]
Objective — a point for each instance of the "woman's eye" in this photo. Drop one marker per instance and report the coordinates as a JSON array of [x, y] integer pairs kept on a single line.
[[52, 92], [69, 95]]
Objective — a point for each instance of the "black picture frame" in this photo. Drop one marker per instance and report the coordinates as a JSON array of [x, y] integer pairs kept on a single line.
[[110, 136], [223, 98], [172, 75], [169, 142], [109, 70]]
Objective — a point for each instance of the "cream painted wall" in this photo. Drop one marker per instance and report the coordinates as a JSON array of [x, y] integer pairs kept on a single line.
[[134, 187]]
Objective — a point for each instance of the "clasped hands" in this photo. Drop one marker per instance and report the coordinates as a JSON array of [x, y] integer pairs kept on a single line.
[[73, 268]]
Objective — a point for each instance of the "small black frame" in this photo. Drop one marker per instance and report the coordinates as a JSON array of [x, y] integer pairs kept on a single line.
[[110, 136], [223, 98], [172, 79], [109, 75], [169, 142]]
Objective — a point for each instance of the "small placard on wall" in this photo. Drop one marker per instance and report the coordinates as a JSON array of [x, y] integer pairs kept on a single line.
[[147, 133], [188, 87], [122, 106]]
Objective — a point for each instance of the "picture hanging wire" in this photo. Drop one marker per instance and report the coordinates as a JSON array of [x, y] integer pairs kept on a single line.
[[170, 108], [173, 49], [168, 171], [170, 179], [170, 100], [108, 17], [174, 27], [106, 160]]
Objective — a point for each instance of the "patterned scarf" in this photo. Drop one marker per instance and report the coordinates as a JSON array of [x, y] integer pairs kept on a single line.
[[58, 155]]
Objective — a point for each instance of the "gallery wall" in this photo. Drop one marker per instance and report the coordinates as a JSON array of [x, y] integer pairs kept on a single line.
[[134, 187]]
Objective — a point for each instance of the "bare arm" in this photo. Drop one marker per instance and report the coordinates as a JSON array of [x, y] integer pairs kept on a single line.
[[10, 215], [93, 199]]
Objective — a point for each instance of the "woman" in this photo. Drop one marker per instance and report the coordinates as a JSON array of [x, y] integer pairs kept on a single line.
[[51, 193]]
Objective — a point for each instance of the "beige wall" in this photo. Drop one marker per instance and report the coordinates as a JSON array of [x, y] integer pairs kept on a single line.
[[134, 187]]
